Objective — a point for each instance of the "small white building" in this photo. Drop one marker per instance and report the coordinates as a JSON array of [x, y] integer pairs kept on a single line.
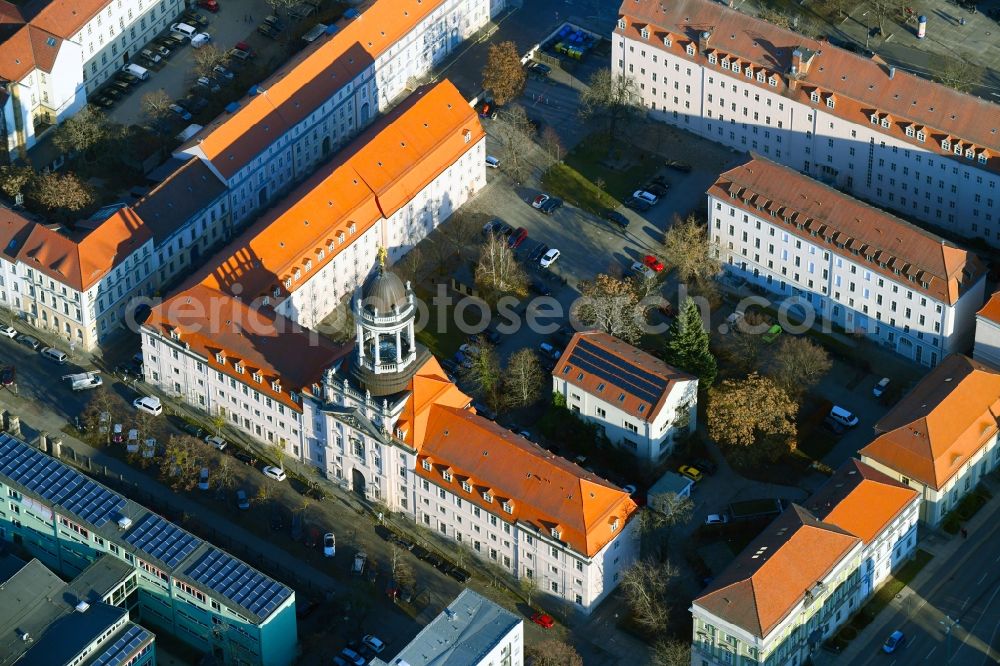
[[642, 403], [471, 631], [804, 577], [941, 438], [987, 347], [829, 257]]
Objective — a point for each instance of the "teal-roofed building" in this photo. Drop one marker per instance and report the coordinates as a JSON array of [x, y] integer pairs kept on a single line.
[[46, 622], [180, 585]]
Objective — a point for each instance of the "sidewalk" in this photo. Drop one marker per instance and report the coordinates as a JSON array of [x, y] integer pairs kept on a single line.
[[946, 549]]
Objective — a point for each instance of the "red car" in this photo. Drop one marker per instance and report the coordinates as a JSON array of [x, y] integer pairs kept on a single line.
[[210, 5], [519, 236], [243, 46], [652, 262], [543, 620]]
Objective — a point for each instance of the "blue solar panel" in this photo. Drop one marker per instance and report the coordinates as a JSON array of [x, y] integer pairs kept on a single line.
[[124, 648], [57, 483], [244, 585], [618, 372], [162, 539]]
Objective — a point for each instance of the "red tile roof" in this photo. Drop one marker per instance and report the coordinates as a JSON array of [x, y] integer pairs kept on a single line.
[[941, 424], [776, 571], [14, 231], [430, 386], [860, 85], [761, 186], [631, 361], [63, 17], [80, 264], [211, 322], [991, 310], [296, 90], [372, 177], [27, 49], [861, 500], [541, 489]]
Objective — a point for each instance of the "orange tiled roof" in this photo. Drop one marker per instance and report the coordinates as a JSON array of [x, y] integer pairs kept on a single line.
[[543, 489], [63, 17], [775, 572], [631, 360], [376, 174], [14, 231], [296, 90], [991, 310], [805, 205], [860, 500], [860, 85], [945, 420], [430, 386], [81, 264], [26, 49], [211, 322]]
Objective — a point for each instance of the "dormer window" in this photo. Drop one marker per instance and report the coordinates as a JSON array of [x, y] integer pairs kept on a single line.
[[667, 41], [556, 533], [257, 377], [276, 386], [748, 73], [945, 144], [320, 254], [288, 283], [773, 81], [426, 464], [276, 292], [830, 102], [467, 135], [736, 67], [725, 63], [446, 475], [910, 131], [488, 496], [293, 396], [614, 525], [220, 358], [921, 136], [508, 507], [266, 300], [958, 149], [969, 153], [690, 49], [874, 118], [712, 58], [466, 486], [645, 33], [621, 24], [760, 77], [982, 158], [309, 264], [885, 121], [297, 274]]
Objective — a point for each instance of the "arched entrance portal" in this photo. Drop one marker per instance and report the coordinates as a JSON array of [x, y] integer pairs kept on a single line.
[[358, 482]]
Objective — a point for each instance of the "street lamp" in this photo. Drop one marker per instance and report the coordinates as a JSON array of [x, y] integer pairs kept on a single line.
[[948, 623]]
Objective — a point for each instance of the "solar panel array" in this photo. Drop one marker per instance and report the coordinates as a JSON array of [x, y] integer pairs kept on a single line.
[[124, 648], [630, 378], [57, 483], [244, 585], [162, 539]]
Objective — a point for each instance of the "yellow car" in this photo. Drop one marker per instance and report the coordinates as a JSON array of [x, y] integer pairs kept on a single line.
[[690, 472]]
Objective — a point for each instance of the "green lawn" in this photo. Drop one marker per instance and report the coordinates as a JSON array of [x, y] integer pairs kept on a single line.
[[894, 586], [591, 163], [442, 343]]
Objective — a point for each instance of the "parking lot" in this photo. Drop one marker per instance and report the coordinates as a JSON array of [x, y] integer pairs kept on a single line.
[[234, 22]]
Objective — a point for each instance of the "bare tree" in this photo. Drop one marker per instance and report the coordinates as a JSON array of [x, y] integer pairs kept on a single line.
[[207, 58], [54, 191], [662, 514], [265, 491], [887, 10], [646, 585], [485, 375], [552, 144], [402, 572], [742, 343], [959, 74], [497, 271], [101, 402], [671, 652], [515, 132], [460, 230], [408, 268], [83, 131], [523, 378], [225, 473], [687, 248], [798, 365], [156, 104], [528, 588], [15, 179], [777, 18], [180, 463], [613, 306], [551, 653], [613, 98], [503, 74], [278, 5]]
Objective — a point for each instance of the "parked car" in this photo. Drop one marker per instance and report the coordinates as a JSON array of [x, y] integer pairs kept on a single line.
[[717, 519], [543, 620], [519, 236], [216, 441], [657, 189], [550, 351], [245, 458], [552, 205], [358, 566], [203, 479], [103, 101], [540, 200], [8, 331], [276, 473], [210, 5], [705, 465], [127, 77], [241, 54], [461, 575], [492, 162], [181, 112], [242, 502], [268, 30], [881, 387], [161, 50], [194, 18], [150, 56], [374, 643], [201, 39], [549, 258], [772, 333], [834, 426], [209, 84], [648, 197], [122, 86], [896, 640], [843, 416], [653, 263], [638, 205], [615, 217], [678, 166], [690, 472], [149, 404], [8, 375], [275, 22], [539, 70], [329, 545], [223, 73], [194, 103], [539, 287]]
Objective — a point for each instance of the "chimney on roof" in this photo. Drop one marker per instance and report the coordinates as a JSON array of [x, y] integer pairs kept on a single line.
[[801, 60], [703, 37], [892, 71]]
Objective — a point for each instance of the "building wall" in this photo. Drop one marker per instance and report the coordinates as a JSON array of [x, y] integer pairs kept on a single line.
[[891, 548], [648, 440], [846, 292], [987, 348], [936, 504], [191, 242], [949, 192]]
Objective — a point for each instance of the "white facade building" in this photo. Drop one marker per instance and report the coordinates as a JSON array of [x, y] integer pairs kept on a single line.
[[835, 258], [642, 404], [382, 419], [886, 136], [795, 585], [987, 347]]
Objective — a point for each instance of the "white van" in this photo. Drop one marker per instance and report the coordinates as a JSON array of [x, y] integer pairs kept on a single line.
[[140, 73], [841, 415], [53, 354], [183, 30]]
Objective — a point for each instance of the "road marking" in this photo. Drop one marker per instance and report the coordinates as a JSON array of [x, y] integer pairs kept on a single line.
[[983, 578], [930, 653]]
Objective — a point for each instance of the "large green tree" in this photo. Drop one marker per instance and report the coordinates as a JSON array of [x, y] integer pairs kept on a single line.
[[687, 345]]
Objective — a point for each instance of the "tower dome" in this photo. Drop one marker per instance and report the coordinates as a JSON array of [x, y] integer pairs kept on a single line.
[[383, 291]]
